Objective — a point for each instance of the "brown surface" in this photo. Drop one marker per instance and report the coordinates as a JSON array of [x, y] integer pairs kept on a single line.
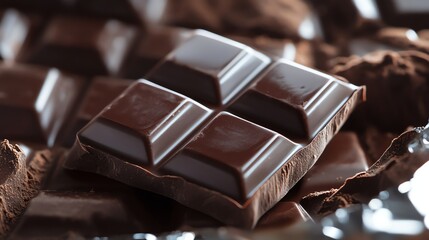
[[397, 88], [21, 184]]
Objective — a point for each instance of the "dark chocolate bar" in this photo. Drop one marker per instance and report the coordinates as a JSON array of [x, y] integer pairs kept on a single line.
[[153, 138], [35, 102], [83, 45]]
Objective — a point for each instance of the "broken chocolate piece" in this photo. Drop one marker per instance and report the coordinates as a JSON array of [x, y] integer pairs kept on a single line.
[[143, 134], [180, 130], [342, 158]]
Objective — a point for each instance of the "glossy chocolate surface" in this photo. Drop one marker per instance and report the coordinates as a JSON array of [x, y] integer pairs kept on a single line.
[[292, 100], [35, 101], [83, 45], [213, 80], [232, 156], [142, 133], [182, 146]]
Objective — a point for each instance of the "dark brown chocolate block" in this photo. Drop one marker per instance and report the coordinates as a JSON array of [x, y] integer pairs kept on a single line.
[[145, 123], [292, 100], [34, 102], [99, 94], [232, 156], [209, 68], [83, 45], [153, 46]]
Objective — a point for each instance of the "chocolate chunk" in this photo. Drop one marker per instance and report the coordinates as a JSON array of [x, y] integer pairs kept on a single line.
[[291, 93], [397, 89], [154, 45], [227, 154], [152, 145], [34, 102], [342, 158], [209, 68], [99, 94], [142, 134], [83, 45]]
